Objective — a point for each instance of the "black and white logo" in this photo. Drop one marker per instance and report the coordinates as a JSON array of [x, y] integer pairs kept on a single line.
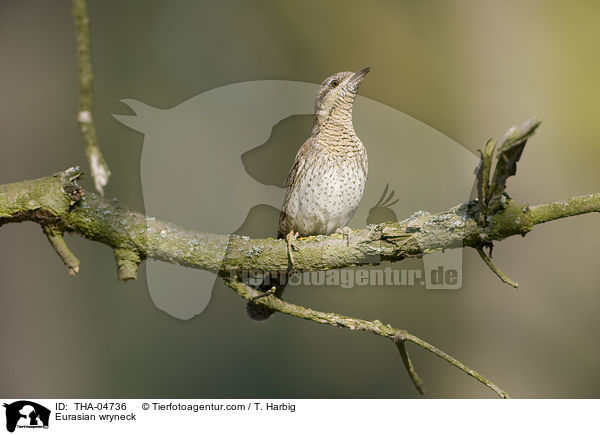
[[26, 414]]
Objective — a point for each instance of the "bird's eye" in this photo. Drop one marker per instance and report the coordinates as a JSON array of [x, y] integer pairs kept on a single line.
[[334, 83]]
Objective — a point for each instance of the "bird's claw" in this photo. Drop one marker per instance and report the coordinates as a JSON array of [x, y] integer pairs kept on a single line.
[[264, 294], [345, 232], [291, 246]]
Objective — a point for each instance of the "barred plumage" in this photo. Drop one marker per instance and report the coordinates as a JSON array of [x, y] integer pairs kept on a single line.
[[327, 180]]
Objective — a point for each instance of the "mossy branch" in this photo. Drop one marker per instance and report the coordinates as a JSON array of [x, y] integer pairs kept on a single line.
[[59, 200], [60, 205]]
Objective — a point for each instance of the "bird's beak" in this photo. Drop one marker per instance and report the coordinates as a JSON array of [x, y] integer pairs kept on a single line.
[[358, 76]]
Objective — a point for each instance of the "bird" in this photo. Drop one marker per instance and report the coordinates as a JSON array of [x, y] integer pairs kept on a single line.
[[327, 180]]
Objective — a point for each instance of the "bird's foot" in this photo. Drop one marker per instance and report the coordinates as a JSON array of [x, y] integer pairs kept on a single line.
[[264, 294], [345, 232], [291, 246]]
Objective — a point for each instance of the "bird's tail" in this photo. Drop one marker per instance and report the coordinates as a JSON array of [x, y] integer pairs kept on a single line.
[[259, 312]]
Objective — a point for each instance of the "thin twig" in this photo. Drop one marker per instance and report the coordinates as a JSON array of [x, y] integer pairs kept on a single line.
[[57, 241], [456, 363], [98, 166], [354, 324], [399, 339], [495, 269]]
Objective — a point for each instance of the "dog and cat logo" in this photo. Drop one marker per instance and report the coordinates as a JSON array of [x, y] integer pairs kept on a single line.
[[26, 414]]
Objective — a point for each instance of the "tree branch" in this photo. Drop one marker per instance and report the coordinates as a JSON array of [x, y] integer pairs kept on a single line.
[[487, 260], [399, 339], [85, 74], [57, 241], [354, 324], [59, 204], [59, 200]]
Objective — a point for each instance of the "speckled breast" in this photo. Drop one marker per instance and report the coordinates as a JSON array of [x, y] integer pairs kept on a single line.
[[328, 194]]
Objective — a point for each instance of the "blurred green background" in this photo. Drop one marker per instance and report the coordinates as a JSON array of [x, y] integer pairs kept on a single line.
[[469, 69]]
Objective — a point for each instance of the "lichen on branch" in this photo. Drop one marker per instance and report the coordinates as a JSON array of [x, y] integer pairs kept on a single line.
[[59, 204]]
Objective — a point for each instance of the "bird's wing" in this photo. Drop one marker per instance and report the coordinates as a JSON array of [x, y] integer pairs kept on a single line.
[[296, 173]]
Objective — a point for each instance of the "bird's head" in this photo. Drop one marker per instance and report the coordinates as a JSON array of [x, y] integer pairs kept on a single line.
[[336, 95]]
